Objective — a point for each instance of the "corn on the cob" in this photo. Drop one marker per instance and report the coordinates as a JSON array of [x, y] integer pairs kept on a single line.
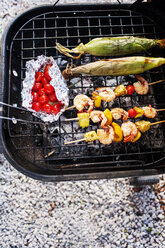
[[115, 67], [114, 46]]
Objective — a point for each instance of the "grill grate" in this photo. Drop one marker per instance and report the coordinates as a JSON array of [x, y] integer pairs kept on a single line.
[[38, 36]]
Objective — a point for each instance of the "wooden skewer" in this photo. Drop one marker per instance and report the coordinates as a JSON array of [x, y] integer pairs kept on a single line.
[[70, 107], [158, 122], [67, 143], [49, 154], [74, 141], [160, 110], [163, 80], [72, 119]]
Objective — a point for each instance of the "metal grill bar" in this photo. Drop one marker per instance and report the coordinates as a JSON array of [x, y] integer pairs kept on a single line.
[[38, 36]]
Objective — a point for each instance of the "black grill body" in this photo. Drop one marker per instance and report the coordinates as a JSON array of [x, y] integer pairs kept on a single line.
[[34, 33]]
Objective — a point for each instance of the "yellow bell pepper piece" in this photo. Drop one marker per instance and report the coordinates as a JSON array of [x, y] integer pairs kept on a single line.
[[120, 90], [108, 115], [137, 137], [97, 100], [83, 119], [118, 132], [139, 112], [90, 136]]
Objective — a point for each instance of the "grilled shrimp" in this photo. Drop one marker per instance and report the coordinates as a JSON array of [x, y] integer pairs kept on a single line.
[[129, 130], [141, 87], [149, 112], [97, 116], [106, 94], [82, 101], [118, 113], [106, 136]]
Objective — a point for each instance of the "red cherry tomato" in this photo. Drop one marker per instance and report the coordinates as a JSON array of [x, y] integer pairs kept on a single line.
[[35, 96], [38, 76], [47, 108], [60, 103], [130, 89], [41, 92], [47, 67], [53, 97], [44, 81], [56, 109], [49, 89], [36, 106], [47, 75], [43, 99], [132, 113], [37, 86], [46, 72]]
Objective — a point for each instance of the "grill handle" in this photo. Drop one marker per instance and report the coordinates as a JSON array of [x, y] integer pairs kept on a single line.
[[59, 0]]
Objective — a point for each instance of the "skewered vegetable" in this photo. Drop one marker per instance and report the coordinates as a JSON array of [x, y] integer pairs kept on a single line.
[[114, 46], [108, 115], [88, 137], [139, 112], [137, 137], [97, 101], [120, 90], [143, 126], [83, 119], [118, 136], [132, 113], [115, 67], [130, 90]]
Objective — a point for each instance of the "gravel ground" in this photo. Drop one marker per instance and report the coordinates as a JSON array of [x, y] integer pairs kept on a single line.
[[102, 213]]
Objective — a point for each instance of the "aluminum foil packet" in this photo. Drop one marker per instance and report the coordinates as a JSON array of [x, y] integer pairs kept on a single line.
[[57, 82]]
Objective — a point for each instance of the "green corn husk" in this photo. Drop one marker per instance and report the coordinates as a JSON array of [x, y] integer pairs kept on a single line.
[[115, 67], [114, 46]]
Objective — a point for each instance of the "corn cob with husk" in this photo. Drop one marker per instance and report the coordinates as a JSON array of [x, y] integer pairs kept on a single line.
[[114, 46], [115, 67]]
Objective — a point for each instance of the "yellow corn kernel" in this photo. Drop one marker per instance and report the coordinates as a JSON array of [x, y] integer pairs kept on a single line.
[[137, 137], [83, 119], [90, 136], [108, 115], [118, 132], [139, 112], [120, 90]]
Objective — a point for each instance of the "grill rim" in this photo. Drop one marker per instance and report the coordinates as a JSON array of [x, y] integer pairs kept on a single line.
[[43, 174]]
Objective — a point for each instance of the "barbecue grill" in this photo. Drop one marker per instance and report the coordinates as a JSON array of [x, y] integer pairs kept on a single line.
[[26, 144]]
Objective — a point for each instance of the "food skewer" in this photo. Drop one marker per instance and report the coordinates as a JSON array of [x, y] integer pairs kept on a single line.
[[131, 132], [107, 116], [107, 94], [129, 129]]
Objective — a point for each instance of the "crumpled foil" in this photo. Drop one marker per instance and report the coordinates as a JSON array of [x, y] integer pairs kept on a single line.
[[57, 82]]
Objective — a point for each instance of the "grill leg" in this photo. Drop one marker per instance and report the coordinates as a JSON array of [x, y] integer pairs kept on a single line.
[[143, 180]]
